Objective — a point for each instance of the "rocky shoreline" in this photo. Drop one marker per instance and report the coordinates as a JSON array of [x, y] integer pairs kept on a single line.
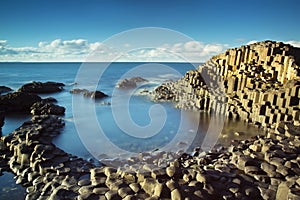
[[262, 167]]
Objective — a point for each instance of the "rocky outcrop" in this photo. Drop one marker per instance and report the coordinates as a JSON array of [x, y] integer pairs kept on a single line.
[[18, 102], [258, 83], [91, 94], [42, 108], [130, 83], [4, 89], [42, 88], [39, 165]]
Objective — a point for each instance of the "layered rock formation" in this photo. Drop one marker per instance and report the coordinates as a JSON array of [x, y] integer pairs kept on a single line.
[[258, 83]]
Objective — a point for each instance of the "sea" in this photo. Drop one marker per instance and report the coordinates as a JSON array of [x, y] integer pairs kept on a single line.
[[126, 122]]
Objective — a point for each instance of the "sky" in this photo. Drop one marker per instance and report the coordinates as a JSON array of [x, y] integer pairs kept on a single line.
[[72, 30]]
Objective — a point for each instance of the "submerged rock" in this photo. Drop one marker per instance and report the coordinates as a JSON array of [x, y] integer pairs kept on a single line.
[[131, 82], [39, 87]]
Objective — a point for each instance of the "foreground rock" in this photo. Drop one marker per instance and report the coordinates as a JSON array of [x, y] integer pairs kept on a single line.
[[4, 89], [18, 102], [259, 168], [130, 83], [91, 94], [42, 108], [42, 88]]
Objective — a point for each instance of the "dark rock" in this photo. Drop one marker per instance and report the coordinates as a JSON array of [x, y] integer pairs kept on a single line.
[[92, 94], [4, 89], [1, 121], [163, 92], [96, 95], [130, 83], [39, 87], [49, 100], [18, 102], [41, 108]]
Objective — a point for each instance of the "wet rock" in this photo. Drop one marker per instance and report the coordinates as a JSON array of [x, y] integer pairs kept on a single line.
[[101, 190], [125, 191], [283, 191], [18, 102], [130, 83], [91, 94], [4, 89], [171, 170], [84, 182], [176, 195], [112, 195], [42, 88], [41, 108], [96, 95], [2, 117]]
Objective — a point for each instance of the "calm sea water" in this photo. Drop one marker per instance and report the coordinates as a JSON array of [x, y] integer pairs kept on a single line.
[[180, 129], [81, 141]]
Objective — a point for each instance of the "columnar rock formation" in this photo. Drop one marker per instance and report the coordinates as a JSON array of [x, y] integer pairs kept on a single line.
[[258, 83]]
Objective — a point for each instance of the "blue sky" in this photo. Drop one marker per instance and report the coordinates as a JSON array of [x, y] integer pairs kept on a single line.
[[27, 27]]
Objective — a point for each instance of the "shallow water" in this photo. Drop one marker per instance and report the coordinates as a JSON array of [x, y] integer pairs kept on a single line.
[[130, 122], [9, 189], [179, 130]]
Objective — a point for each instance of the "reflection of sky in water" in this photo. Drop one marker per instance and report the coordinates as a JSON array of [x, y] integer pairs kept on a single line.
[[70, 141]]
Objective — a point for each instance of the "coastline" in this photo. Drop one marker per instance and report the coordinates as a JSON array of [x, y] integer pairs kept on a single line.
[[262, 167]]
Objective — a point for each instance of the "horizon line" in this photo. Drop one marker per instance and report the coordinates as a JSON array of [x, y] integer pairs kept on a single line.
[[98, 62]]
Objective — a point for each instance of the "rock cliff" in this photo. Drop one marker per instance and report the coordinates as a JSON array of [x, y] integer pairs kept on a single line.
[[258, 83]]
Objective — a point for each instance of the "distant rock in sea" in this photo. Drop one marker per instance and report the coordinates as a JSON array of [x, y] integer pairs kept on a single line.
[[130, 83], [86, 93], [41, 88]]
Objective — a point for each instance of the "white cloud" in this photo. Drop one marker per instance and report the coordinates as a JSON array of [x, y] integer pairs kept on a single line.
[[294, 43], [252, 42], [80, 50]]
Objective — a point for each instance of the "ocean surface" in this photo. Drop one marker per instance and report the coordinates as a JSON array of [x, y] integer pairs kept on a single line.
[[128, 120], [145, 115]]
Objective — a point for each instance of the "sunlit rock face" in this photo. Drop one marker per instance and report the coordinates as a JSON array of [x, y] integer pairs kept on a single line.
[[258, 83]]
